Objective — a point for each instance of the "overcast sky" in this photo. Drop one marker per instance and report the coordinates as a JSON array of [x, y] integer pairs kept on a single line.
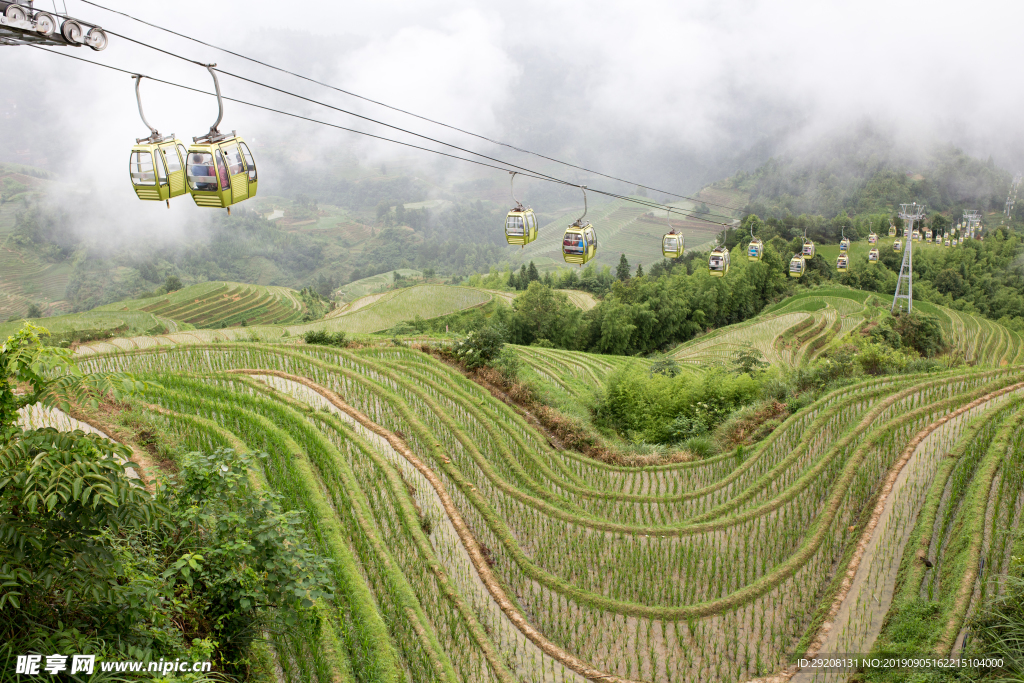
[[626, 86]]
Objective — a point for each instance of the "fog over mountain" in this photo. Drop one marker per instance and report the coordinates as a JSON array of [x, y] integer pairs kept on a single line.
[[670, 94]]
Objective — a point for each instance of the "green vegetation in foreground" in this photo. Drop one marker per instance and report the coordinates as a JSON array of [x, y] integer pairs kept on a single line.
[[94, 563]]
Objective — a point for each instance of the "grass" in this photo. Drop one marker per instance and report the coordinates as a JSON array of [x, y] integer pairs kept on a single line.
[[426, 301]]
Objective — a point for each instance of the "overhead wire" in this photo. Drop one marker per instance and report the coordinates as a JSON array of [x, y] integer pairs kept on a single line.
[[528, 173], [688, 212], [385, 105]]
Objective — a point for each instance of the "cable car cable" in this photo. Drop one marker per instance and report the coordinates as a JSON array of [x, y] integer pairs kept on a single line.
[[692, 213], [391, 107], [527, 172]]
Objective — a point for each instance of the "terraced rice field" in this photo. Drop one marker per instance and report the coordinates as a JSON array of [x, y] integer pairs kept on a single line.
[[98, 323], [221, 304], [374, 284], [427, 301], [467, 548], [803, 326]]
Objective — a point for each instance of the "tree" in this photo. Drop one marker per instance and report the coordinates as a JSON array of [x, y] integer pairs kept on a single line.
[[542, 313], [172, 283], [34, 311], [639, 270], [531, 273], [949, 281], [383, 210], [622, 271], [52, 378]]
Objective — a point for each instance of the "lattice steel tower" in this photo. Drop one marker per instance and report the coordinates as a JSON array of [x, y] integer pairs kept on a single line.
[[905, 284]]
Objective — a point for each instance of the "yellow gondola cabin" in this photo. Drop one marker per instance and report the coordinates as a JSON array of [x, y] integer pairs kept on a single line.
[[718, 262], [755, 250], [797, 265], [672, 245]]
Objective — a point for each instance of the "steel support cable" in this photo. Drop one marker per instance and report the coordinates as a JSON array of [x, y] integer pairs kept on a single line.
[[393, 108], [692, 213], [526, 173]]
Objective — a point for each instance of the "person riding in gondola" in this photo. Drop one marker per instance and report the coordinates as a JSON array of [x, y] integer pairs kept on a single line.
[[573, 244]]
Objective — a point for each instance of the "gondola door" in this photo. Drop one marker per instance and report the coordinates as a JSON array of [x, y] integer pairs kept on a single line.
[[250, 166]]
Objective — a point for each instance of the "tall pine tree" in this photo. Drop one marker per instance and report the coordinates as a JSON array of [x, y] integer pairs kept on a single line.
[[622, 271]]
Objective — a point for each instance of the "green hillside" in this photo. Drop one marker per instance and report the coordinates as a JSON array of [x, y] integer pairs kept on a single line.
[[221, 304], [381, 314], [802, 327]]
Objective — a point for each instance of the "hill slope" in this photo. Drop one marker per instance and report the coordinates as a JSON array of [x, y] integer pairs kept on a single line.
[[466, 546], [800, 327], [221, 304]]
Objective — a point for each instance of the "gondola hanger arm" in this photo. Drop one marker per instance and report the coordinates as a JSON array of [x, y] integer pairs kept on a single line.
[[220, 99], [579, 221], [138, 97]]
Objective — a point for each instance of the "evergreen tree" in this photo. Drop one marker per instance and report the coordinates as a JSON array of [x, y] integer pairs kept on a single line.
[[622, 271], [639, 270], [524, 278], [512, 279], [532, 273]]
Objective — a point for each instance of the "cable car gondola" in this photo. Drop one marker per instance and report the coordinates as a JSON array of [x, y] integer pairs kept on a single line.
[[520, 223], [916, 235], [892, 229], [220, 168], [873, 256], [797, 265], [872, 238], [579, 243], [844, 245], [808, 249], [755, 250], [897, 245], [672, 243], [843, 263], [927, 235], [156, 164], [718, 262], [947, 241]]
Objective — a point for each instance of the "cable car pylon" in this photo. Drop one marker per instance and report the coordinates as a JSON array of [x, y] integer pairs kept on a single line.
[[905, 284]]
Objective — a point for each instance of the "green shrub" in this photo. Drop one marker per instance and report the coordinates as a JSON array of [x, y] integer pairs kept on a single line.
[[658, 408], [324, 338], [479, 348], [701, 446]]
